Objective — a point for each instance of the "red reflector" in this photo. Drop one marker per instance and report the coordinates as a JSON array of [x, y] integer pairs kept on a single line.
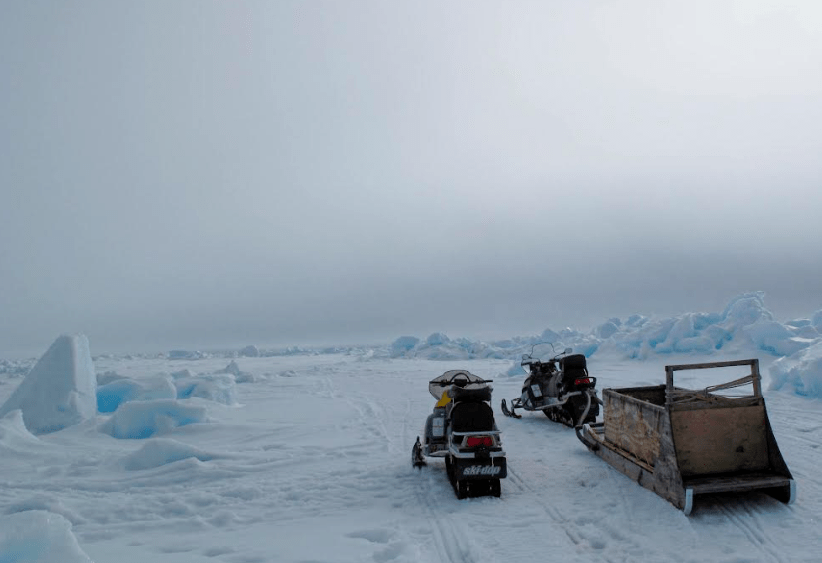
[[474, 441], [582, 381]]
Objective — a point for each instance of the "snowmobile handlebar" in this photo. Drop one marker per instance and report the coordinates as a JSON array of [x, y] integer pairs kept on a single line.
[[528, 359], [452, 382]]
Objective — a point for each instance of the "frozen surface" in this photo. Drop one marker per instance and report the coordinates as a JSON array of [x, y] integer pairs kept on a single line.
[[318, 446]]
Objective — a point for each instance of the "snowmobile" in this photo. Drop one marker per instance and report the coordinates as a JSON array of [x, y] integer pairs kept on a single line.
[[463, 431], [560, 387]]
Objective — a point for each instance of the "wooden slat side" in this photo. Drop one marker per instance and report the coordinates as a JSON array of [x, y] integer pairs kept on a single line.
[[632, 425], [720, 440], [708, 365]]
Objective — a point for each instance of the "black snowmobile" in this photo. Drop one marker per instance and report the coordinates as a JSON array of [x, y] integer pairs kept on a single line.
[[463, 431], [560, 387]]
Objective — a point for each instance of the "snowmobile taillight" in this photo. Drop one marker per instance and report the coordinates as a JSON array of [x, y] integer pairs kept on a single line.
[[582, 381], [475, 441]]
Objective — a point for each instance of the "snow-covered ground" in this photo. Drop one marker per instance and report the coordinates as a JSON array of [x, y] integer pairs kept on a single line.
[[305, 457]]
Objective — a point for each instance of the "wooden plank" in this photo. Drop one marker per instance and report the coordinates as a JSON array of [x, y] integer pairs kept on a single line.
[[757, 382], [629, 458], [720, 440], [632, 425], [708, 365]]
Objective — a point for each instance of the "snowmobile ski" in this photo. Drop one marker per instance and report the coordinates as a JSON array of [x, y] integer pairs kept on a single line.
[[417, 459], [507, 412]]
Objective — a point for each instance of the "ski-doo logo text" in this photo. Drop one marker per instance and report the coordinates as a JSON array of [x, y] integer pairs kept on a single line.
[[481, 470]]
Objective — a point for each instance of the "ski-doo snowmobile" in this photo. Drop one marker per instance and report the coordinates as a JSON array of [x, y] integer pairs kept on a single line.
[[560, 387], [463, 431]]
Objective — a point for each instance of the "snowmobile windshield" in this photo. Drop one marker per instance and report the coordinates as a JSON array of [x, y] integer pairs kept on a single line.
[[542, 352], [455, 377]]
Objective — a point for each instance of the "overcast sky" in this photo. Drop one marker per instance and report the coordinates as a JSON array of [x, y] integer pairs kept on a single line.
[[200, 174]]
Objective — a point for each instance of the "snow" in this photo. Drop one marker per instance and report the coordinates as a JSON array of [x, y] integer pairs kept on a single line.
[[158, 452], [308, 457], [14, 436], [41, 536]]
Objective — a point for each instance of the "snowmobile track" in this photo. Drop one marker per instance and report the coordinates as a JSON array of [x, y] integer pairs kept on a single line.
[[449, 541], [595, 548]]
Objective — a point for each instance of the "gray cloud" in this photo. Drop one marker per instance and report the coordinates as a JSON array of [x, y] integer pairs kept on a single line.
[[202, 173]]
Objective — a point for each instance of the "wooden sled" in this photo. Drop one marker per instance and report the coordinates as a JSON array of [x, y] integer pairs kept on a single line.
[[682, 443]]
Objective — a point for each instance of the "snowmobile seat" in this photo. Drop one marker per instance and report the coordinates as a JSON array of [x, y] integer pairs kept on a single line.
[[470, 394], [574, 366], [472, 417]]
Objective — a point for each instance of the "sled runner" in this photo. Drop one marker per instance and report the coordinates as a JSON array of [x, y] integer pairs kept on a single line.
[[682, 443], [463, 431]]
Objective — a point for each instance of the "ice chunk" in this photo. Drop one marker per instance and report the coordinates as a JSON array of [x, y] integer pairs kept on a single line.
[[437, 339], [239, 375], [747, 309], [250, 351], [606, 330], [801, 372], [111, 395], [60, 390], [403, 344], [185, 355], [143, 419], [219, 387], [773, 337]]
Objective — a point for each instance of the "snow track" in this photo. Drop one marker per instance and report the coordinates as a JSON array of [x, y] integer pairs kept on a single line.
[[451, 539], [749, 523]]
